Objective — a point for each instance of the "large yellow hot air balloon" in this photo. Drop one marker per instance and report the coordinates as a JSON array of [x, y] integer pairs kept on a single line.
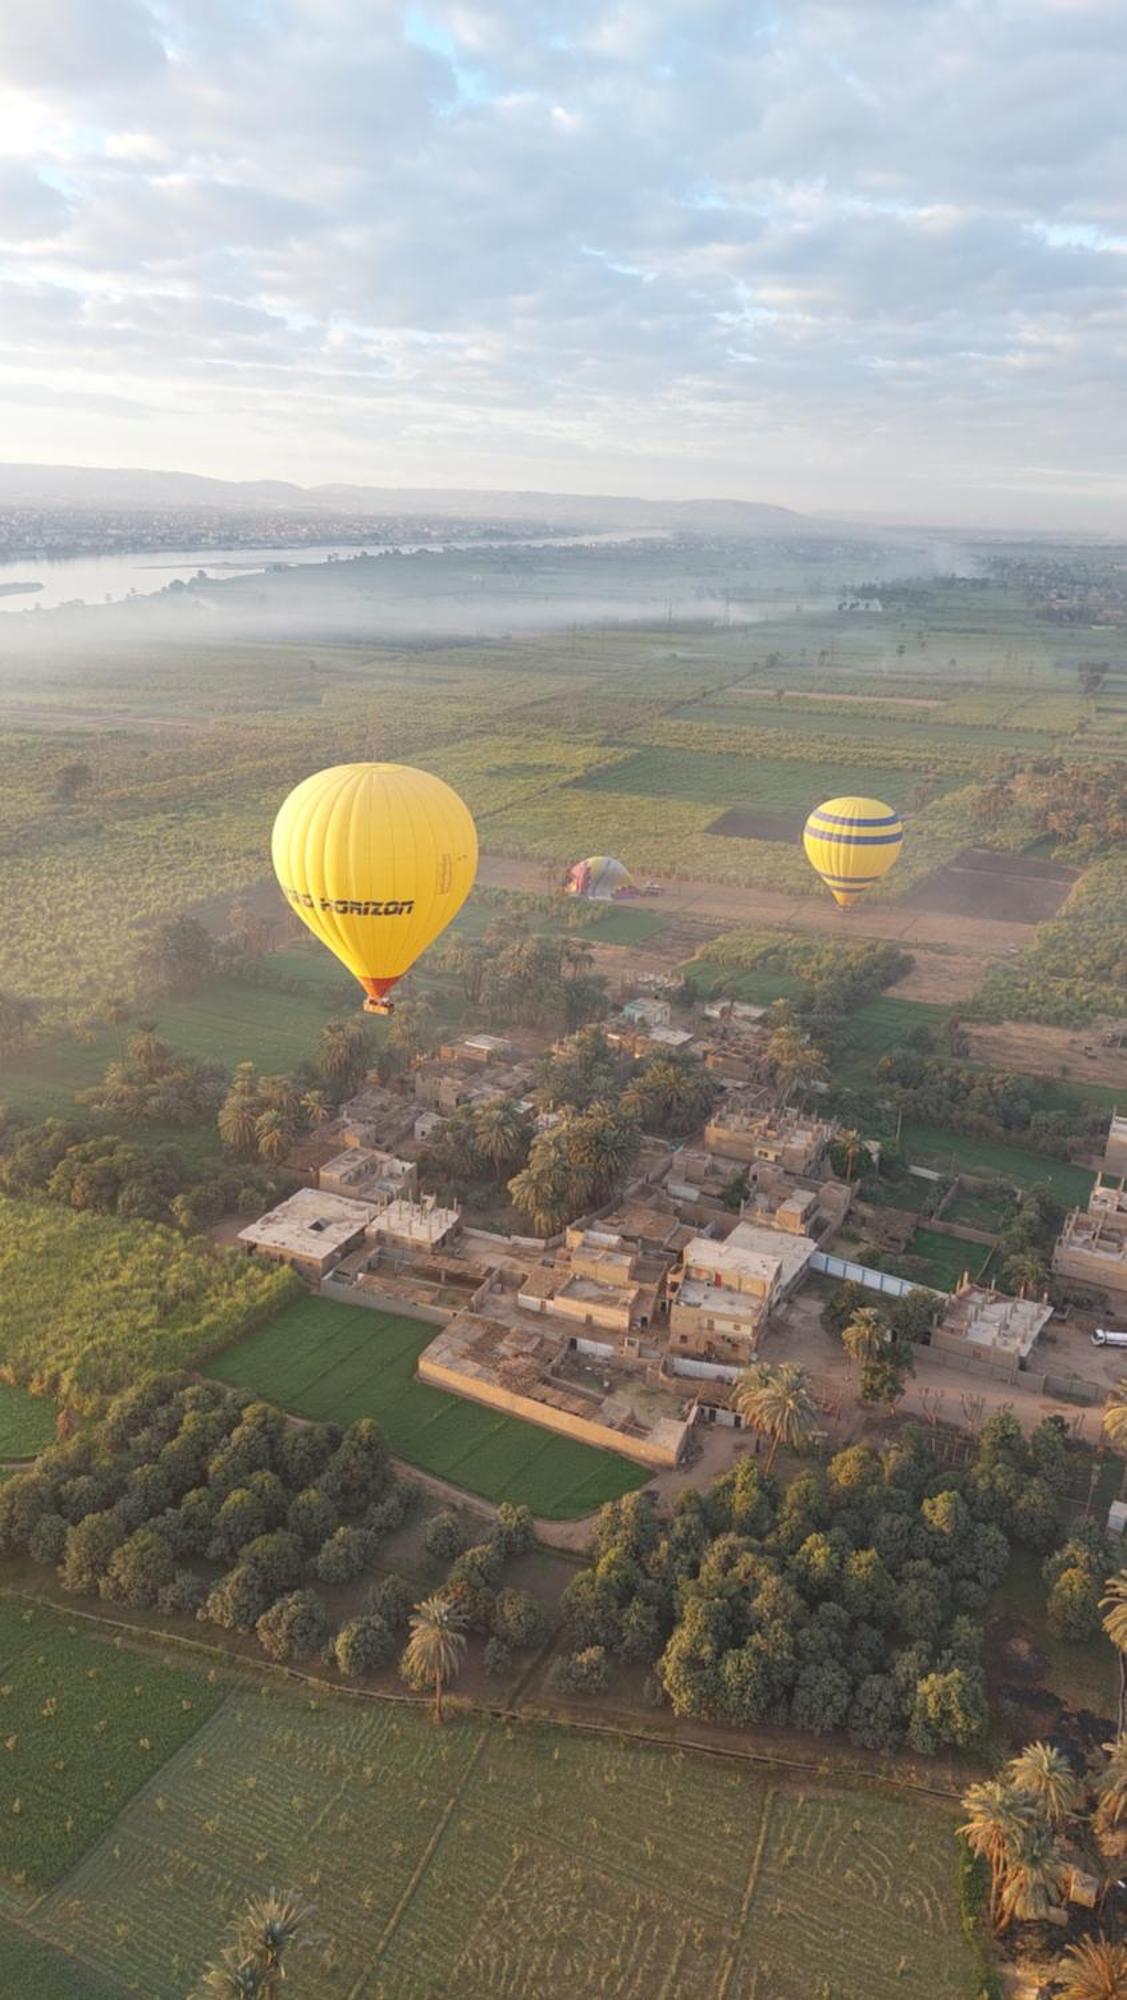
[[851, 843], [376, 859]]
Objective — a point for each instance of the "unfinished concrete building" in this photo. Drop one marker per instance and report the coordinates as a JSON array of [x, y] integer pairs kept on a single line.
[[1091, 1249], [989, 1332], [795, 1141]]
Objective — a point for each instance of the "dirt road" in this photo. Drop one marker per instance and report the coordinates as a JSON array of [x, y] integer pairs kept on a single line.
[[966, 945]]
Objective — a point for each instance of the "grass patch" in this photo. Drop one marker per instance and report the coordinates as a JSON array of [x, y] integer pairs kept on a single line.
[[758, 987], [623, 926], [770, 785], [941, 1260], [337, 1362], [515, 1860], [1083, 1676], [227, 1022], [30, 1970], [27, 1423], [955, 1152], [84, 1727]]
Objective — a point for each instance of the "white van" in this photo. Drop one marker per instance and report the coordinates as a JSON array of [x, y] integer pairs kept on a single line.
[[1105, 1336]]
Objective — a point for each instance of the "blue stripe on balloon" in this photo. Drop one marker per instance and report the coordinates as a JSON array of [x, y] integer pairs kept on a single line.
[[856, 839], [848, 819]]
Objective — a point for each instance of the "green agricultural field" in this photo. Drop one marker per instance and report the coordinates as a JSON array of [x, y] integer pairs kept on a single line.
[[27, 1423], [30, 1970], [763, 784], [955, 1152], [227, 1022], [885, 1023], [487, 1861], [336, 1362], [623, 925], [940, 1260], [90, 1301], [758, 987], [84, 1727]]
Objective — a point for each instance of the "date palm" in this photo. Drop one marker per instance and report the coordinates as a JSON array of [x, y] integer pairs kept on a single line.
[[341, 1050], [501, 1132], [273, 1136], [1048, 1776], [1113, 1604], [998, 1815], [238, 1117], [437, 1644], [267, 1928], [1033, 1880], [231, 1978], [1109, 1820], [1095, 1969], [777, 1402], [317, 1107], [865, 1335]]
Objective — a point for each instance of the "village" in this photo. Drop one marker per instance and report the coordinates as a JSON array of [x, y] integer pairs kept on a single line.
[[629, 1328]]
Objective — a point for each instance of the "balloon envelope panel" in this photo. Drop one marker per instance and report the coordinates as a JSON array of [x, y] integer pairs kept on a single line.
[[600, 876], [376, 859], [852, 843]]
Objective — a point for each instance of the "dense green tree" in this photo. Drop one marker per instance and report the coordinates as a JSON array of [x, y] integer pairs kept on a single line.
[[364, 1645], [294, 1628]]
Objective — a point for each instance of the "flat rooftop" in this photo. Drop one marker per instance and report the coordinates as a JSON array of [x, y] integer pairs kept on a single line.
[[754, 1249], [987, 1320], [701, 1296], [309, 1223]]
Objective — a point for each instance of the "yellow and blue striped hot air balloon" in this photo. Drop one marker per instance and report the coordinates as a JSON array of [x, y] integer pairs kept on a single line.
[[851, 843]]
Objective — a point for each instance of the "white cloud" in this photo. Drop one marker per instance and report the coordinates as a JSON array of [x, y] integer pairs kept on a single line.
[[818, 253]]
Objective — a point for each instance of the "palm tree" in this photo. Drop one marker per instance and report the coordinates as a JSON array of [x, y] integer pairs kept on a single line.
[[543, 1189], [148, 1052], [1046, 1774], [252, 1966], [1109, 1820], [1033, 1879], [437, 1643], [273, 1135], [865, 1335], [267, 1928], [795, 1059], [1114, 1607], [1115, 1417], [231, 1978], [317, 1107], [1095, 1970], [341, 1050], [999, 1815], [501, 1132], [777, 1401], [238, 1118], [1027, 1271]]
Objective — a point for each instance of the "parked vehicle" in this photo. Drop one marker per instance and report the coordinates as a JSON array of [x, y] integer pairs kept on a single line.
[[1106, 1336]]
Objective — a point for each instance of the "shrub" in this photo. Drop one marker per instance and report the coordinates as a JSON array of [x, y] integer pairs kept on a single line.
[[443, 1537], [396, 1507], [48, 1539], [580, 1673], [519, 1619], [392, 1600], [344, 1556], [294, 1628], [1073, 1609], [185, 1593], [514, 1531], [364, 1645], [498, 1658], [198, 1510], [302, 1455], [312, 1517], [278, 1558], [358, 1471], [23, 1501], [138, 1571], [238, 1600], [89, 1546]]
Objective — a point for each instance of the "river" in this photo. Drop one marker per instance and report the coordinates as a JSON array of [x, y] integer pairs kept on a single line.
[[95, 579]]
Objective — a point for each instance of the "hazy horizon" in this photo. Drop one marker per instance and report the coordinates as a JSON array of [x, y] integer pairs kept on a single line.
[[851, 259]]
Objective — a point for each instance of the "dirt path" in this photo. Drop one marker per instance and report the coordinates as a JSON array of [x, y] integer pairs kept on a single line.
[[978, 940]]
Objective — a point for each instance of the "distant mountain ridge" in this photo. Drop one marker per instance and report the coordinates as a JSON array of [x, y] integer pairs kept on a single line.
[[127, 487]]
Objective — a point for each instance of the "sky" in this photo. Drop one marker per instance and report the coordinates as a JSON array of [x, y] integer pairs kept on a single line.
[[843, 255]]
